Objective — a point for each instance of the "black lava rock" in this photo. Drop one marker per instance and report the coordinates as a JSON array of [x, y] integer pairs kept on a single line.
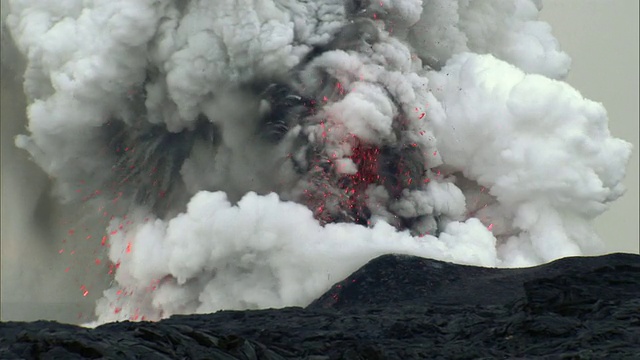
[[395, 307]]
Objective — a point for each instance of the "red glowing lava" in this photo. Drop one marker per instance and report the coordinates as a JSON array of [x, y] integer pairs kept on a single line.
[[350, 202], [366, 159]]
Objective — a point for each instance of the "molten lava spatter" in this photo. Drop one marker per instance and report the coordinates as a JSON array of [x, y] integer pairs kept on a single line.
[[366, 159]]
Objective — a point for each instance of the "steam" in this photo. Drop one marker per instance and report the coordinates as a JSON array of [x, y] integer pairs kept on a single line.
[[259, 151]]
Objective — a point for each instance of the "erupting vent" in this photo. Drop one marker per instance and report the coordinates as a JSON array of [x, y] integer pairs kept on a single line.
[[250, 153]]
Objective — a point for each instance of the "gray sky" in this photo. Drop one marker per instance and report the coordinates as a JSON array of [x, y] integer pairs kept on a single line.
[[601, 36]]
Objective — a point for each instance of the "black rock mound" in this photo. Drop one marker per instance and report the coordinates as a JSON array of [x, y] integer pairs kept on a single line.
[[395, 307]]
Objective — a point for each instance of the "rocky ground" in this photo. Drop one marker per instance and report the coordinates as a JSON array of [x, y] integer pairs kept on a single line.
[[395, 307]]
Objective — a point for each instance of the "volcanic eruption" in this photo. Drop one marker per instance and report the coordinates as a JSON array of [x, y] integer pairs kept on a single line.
[[250, 154]]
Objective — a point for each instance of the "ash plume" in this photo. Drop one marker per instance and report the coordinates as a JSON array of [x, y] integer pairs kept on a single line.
[[259, 151]]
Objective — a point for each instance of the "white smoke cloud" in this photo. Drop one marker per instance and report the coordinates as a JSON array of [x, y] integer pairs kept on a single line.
[[509, 30], [262, 252], [433, 128], [532, 142]]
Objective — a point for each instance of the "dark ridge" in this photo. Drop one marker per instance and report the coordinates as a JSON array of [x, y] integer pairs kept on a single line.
[[394, 307], [447, 283]]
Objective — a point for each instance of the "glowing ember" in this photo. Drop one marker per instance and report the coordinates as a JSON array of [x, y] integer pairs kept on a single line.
[[366, 159]]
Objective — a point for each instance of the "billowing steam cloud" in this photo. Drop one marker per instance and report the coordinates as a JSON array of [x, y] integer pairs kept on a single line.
[[259, 151]]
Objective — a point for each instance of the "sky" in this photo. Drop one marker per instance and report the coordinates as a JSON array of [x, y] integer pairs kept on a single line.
[[601, 36]]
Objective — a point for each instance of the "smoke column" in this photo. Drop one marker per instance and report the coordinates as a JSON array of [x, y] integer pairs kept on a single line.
[[249, 154]]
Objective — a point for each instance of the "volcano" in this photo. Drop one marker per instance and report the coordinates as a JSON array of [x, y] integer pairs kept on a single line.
[[247, 154], [394, 307]]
